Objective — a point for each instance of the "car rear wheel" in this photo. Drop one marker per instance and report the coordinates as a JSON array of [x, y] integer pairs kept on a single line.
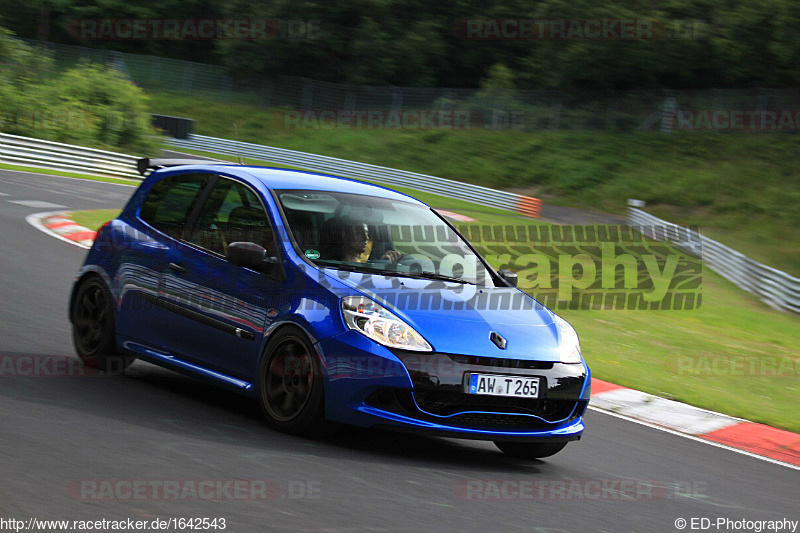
[[93, 328], [530, 450], [290, 384]]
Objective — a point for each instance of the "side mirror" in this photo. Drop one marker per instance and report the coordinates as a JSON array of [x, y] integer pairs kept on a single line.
[[509, 276], [250, 255]]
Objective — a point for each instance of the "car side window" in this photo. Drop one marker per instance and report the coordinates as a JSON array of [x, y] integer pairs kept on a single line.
[[170, 202], [232, 213]]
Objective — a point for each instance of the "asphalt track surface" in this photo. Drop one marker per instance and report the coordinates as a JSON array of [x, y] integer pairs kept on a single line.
[[153, 426]]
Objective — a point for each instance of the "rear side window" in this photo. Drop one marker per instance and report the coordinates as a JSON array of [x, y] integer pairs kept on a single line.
[[232, 212], [170, 202]]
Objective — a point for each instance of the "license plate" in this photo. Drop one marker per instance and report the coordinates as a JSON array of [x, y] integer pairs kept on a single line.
[[497, 385]]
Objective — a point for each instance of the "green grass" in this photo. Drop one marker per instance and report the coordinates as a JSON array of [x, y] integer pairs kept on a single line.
[[743, 189], [95, 218]]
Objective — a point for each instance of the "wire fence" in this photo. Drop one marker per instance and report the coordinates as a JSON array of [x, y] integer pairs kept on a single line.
[[657, 110]]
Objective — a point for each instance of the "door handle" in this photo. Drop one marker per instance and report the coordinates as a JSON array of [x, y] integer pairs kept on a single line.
[[177, 267]]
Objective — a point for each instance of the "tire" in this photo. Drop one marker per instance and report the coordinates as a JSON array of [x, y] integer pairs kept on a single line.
[[530, 450], [93, 328], [290, 385]]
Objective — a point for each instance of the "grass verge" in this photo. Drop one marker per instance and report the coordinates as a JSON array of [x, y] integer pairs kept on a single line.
[[94, 218]]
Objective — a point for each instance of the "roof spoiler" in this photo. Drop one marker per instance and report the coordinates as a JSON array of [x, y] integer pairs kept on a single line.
[[145, 163]]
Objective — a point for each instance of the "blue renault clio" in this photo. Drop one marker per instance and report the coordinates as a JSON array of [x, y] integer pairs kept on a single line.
[[329, 301]]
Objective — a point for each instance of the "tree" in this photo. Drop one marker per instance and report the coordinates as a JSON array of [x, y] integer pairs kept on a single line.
[[91, 105]]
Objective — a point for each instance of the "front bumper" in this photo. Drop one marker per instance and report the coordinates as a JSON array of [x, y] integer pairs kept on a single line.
[[425, 392]]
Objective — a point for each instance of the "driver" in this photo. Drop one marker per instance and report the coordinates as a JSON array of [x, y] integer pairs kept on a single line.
[[348, 240]]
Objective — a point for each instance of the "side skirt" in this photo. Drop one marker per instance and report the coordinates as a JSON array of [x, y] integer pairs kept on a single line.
[[179, 365]]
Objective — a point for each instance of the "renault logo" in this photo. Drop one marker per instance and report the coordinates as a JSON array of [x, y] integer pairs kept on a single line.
[[498, 340]]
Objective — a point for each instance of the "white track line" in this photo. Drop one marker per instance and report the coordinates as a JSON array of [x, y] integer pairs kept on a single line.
[[36, 203], [692, 437]]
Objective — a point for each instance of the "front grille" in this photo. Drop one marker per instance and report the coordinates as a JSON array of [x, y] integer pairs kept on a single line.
[[445, 403], [412, 359], [495, 421], [453, 409], [498, 362]]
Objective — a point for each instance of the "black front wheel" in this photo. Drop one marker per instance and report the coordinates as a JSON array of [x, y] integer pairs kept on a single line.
[[290, 384], [530, 450], [93, 328]]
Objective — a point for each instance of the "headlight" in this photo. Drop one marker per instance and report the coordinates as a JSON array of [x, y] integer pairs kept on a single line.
[[381, 325], [570, 345]]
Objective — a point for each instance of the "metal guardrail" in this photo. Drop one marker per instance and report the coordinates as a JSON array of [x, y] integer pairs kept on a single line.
[[774, 287], [341, 167], [26, 151]]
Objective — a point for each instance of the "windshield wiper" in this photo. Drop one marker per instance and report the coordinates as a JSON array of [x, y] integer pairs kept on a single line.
[[353, 268], [394, 273], [432, 275]]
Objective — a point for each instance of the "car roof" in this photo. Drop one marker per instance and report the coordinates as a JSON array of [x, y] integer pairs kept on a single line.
[[286, 179]]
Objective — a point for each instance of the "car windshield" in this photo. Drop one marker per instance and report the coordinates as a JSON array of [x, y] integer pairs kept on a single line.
[[378, 235]]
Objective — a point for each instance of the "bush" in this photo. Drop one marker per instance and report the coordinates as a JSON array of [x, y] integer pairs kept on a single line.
[[89, 104], [111, 109]]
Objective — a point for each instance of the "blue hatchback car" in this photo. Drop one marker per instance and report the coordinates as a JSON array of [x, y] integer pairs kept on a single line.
[[327, 300]]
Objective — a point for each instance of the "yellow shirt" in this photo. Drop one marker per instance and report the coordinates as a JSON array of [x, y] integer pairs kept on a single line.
[[364, 257]]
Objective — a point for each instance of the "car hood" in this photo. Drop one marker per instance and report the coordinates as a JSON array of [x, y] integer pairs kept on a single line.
[[458, 319]]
